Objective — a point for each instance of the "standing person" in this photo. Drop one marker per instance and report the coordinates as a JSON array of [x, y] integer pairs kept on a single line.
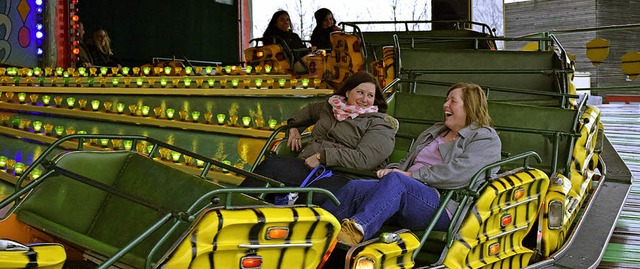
[[101, 50], [84, 55], [280, 26], [350, 130], [325, 24], [445, 156]]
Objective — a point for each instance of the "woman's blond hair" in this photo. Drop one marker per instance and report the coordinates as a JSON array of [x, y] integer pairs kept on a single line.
[[475, 103], [106, 49]]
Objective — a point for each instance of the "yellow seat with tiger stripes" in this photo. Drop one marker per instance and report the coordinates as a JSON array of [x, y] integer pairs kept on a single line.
[[492, 232], [396, 254], [567, 194], [42, 256], [268, 55], [275, 237]]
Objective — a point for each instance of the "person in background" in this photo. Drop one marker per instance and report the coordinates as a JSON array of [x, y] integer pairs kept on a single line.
[[84, 55], [325, 24], [350, 130], [101, 50], [445, 156], [280, 26]]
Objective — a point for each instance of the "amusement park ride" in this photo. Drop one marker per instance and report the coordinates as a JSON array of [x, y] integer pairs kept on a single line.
[[138, 167]]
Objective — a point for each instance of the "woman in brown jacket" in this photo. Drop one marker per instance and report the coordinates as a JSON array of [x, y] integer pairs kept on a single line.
[[350, 130]]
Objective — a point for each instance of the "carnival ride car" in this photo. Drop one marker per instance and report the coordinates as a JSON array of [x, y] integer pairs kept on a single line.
[[536, 213]]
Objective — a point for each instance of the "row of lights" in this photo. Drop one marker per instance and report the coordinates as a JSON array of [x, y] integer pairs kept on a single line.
[[134, 71], [257, 83], [39, 29], [17, 168], [74, 35], [144, 110]]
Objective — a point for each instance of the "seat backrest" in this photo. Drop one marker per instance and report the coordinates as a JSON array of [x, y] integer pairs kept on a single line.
[[496, 224], [518, 130], [100, 220]]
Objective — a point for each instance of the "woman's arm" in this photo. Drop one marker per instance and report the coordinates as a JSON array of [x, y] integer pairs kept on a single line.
[[373, 149], [484, 149]]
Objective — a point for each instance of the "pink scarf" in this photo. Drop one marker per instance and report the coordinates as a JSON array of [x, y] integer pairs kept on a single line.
[[342, 111]]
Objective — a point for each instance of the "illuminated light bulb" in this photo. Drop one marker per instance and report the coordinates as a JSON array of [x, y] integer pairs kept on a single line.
[[59, 130], [114, 81], [227, 162], [305, 83], [120, 108], [167, 70], [267, 69], [188, 70], [200, 163], [187, 82], [18, 168], [272, 123], [221, 118], [46, 100], [37, 126], [90, 81], [22, 97], [294, 83], [95, 105], [125, 71], [146, 70], [104, 142], [139, 82], [282, 82], [104, 70], [195, 115], [71, 102], [163, 82], [248, 69], [145, 110], [210, 82], [37, 71], [128, 144], [170, 113], [175, 156], [234, 82], [227, 69], [258, 82], [3, 162], [208, 70], [35, 173]]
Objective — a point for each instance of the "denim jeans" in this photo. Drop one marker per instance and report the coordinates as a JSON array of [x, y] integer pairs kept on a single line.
[[395, 199]]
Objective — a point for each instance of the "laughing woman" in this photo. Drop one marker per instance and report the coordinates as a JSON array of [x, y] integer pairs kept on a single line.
[[350, 130], [445, 156]]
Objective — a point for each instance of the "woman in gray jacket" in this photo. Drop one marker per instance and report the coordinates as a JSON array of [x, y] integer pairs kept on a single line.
[[350, 130], [445, 156]]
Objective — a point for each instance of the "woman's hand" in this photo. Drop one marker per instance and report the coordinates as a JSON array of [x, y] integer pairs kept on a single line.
[[294, 140], [313, 160], [383, 172]]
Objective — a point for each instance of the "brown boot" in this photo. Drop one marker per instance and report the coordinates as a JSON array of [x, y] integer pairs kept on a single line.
[[350, 233]]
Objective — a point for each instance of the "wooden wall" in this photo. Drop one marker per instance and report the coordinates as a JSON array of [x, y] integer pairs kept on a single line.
[[536, 16]]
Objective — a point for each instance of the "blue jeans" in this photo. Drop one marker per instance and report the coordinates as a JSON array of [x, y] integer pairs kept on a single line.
[[395, 199]]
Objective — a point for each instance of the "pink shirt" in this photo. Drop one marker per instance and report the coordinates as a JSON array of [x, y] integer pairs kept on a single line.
[[428, 156]]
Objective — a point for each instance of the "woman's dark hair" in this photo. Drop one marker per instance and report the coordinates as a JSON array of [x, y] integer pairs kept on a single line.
[[320, 15], [272, 28], [362, 77]]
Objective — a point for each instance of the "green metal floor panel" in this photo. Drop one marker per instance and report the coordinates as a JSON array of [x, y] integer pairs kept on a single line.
[[622, 127]]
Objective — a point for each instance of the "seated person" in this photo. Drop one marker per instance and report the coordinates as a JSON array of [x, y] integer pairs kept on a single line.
[[350, 131], [445, 156], [280, 26], [325, 24], [84, 55], [101, 51]]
